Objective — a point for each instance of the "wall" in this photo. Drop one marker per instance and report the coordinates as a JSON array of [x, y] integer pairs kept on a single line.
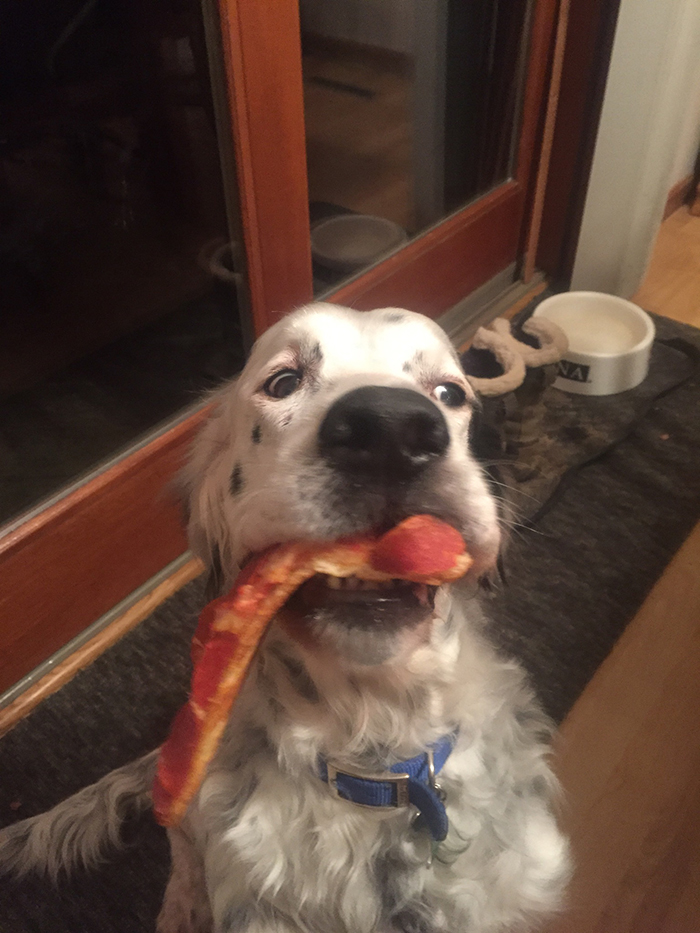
[[689, 138], [646, 139]]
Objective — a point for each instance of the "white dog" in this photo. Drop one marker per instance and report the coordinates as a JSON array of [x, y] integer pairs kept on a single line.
[[346, 422]]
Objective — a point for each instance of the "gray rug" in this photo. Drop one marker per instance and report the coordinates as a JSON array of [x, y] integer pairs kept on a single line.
[[575, 573], [604, 491]]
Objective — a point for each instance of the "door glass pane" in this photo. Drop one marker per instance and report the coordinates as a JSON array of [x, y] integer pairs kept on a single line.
[[119, 304], [412, 110]]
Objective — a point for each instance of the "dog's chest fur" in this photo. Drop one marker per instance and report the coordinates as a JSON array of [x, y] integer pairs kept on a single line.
[[283, 852]]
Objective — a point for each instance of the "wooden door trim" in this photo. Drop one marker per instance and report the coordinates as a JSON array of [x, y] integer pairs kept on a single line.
[[544, 18], [587, 54], [70, 563], [262, 56], [264, 74], [72, 658]]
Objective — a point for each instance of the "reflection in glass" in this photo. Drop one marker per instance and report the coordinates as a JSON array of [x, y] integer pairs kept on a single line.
[[118, 299], [411, 111]]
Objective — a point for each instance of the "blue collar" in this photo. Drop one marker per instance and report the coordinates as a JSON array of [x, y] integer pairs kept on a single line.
[[407, 782]]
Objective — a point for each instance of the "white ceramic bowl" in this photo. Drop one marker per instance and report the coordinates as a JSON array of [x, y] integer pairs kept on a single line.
[[609, 342], [348, 242]]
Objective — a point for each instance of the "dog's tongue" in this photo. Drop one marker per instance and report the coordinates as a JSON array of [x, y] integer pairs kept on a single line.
[[421, 549]]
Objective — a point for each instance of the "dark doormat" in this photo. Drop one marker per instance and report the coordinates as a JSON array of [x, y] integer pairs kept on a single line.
[[604, 490], [576, 572]]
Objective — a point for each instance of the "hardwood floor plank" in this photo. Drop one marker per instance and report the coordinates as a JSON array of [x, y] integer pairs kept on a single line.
[[629, 761], [672, 283], [628, 755]]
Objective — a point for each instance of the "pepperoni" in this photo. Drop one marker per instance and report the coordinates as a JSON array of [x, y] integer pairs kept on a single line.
[[421, 546]]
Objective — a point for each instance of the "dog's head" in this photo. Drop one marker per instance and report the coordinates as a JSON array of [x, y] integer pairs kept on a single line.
[[341, 422]]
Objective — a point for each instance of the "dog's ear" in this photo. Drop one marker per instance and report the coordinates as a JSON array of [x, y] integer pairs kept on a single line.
[[486, 434], [215, 580], [203, 486], [487, 444], [490, 581]]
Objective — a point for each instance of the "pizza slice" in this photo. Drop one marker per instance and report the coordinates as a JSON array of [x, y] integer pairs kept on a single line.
[[421, 549]]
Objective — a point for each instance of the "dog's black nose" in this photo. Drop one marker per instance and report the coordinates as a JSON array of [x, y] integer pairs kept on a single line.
[[383, 432]]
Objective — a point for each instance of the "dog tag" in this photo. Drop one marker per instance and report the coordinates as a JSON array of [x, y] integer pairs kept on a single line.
[[424, 841]]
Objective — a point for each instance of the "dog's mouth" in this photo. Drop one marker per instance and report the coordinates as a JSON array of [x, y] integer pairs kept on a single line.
[[362, 604], [323, 591]]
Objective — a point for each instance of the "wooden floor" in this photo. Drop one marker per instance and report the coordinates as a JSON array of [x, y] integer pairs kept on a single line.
[[672, 283], [628, 755]]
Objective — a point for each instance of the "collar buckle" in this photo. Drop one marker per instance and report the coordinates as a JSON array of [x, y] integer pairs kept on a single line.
[[399, 781]]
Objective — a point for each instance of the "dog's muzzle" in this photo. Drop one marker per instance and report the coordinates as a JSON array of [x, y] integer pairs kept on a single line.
[[383, 434]]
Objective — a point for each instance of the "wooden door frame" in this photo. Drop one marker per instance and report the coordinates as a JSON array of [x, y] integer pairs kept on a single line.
[[262, 56], [95, 544], [587, 54], [262, 44]]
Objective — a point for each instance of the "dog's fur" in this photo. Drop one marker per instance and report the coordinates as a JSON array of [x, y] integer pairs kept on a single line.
[[266, 846]]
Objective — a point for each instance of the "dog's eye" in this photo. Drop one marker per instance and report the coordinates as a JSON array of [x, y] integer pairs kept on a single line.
[[450, 394], [283, 383]]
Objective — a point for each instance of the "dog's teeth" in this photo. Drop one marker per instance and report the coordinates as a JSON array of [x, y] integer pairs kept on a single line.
[[354, 583]]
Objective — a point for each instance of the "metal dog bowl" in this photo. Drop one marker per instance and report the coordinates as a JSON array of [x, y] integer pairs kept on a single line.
[[348, 242]]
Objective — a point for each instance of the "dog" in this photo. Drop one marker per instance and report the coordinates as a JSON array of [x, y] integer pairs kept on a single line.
[[344, 422]]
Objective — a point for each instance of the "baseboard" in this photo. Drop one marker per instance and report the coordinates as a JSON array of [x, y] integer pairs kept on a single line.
[[678, 195]]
